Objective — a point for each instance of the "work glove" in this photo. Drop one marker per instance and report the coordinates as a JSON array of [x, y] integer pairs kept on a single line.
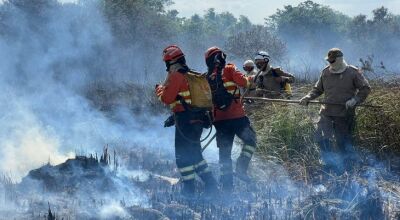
[[304, 101], [284, 79], [351, 103]]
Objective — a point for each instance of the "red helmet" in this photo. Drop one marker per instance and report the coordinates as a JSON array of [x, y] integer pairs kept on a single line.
[[210, 51], [172, 52]]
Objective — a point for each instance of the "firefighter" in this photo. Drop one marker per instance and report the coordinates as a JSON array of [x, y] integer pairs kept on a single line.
[[340, 83], [249, 69], [188, 124], [272, 82], [229, 116]]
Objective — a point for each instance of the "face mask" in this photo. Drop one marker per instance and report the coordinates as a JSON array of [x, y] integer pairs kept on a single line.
[[168, 65], [248, 68], [219, 59], [261, 65]]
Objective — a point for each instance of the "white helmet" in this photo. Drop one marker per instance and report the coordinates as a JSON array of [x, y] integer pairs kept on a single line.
[[262, 55], [248, 63]]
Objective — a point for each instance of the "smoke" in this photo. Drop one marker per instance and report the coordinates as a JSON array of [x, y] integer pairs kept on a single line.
[[112, 211], [50, 55]]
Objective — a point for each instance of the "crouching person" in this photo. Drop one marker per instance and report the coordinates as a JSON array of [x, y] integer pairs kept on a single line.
[[189, 124]]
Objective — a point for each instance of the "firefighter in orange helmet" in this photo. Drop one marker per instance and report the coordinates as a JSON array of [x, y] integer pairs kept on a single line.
[[229, 116], [188, 125]]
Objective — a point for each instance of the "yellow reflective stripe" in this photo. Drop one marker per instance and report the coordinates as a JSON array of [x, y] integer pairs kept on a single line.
[[248, 83], [229, 172], [206, 170], [201, 163], [188, 177], [246, 154], [186, 169], [184, 93], [172, 105], [229, 83], [233, 91], [249, 148]]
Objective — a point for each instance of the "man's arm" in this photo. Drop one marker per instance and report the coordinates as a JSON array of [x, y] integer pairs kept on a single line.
[[168, 92], [283, 76], [363, 87], [317, 90], [238, 77]]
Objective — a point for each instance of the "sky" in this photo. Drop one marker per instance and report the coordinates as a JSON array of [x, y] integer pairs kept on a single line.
[[257, 10]]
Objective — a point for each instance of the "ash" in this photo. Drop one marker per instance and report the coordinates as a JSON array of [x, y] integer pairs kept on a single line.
[[142, 186]]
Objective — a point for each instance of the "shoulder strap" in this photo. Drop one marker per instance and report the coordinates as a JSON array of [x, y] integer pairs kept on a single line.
[[274, 74]]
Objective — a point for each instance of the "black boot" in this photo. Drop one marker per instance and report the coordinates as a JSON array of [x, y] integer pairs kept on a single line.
[[242, 164], [188, 188], [210, 184], [227, 183]]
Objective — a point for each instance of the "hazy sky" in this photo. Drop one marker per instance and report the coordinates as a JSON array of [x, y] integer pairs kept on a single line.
[[257, 10]]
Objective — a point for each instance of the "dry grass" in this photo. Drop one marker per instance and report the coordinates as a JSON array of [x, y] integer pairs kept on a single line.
[[285, 132]]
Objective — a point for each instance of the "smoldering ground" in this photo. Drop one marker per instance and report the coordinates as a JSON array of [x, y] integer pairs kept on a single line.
[[63, 77], [51, 56]]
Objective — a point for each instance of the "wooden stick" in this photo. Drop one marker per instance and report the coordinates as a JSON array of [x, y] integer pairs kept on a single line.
[[311, 102]]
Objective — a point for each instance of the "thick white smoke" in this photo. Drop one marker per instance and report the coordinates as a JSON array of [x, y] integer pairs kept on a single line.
[[48, 57]]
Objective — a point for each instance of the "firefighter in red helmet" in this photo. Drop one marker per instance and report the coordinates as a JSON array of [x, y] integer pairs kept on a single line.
[[188, 125], [229, 116]]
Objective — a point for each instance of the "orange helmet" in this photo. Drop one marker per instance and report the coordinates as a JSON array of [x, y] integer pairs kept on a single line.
[[172, 52], [211, 51]]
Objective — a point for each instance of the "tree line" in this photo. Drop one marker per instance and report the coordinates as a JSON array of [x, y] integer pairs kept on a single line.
[[308, 29]]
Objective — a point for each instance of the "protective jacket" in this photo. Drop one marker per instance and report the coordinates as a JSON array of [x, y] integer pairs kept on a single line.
[[174, 87], [233, 79], [340, 87], [270, 82]]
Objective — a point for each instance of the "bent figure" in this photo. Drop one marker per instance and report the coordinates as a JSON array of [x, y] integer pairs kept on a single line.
[[188, 124], [340, 83], [272, 82]]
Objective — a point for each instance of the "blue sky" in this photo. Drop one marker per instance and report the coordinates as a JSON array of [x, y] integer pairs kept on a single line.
[[257, 10]]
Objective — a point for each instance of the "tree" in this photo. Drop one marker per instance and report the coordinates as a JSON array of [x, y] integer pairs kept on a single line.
[[309, 27], [245, 44]]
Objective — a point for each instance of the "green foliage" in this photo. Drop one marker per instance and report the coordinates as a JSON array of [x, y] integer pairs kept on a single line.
[[309, 21], [136, 20], [245, 44], [377, 35], [312, 28]]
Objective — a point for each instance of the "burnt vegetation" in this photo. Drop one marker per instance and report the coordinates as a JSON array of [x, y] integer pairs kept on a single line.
[[137, 182]]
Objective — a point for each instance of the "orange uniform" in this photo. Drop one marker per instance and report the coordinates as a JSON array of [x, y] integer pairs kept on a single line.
[[232, 79], [175, 85]]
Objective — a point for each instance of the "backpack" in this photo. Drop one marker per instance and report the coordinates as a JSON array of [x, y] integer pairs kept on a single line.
[[221, 98], [200, 91], [285, 86]]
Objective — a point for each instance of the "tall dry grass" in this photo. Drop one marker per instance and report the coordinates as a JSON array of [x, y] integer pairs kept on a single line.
[[286, 132]]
